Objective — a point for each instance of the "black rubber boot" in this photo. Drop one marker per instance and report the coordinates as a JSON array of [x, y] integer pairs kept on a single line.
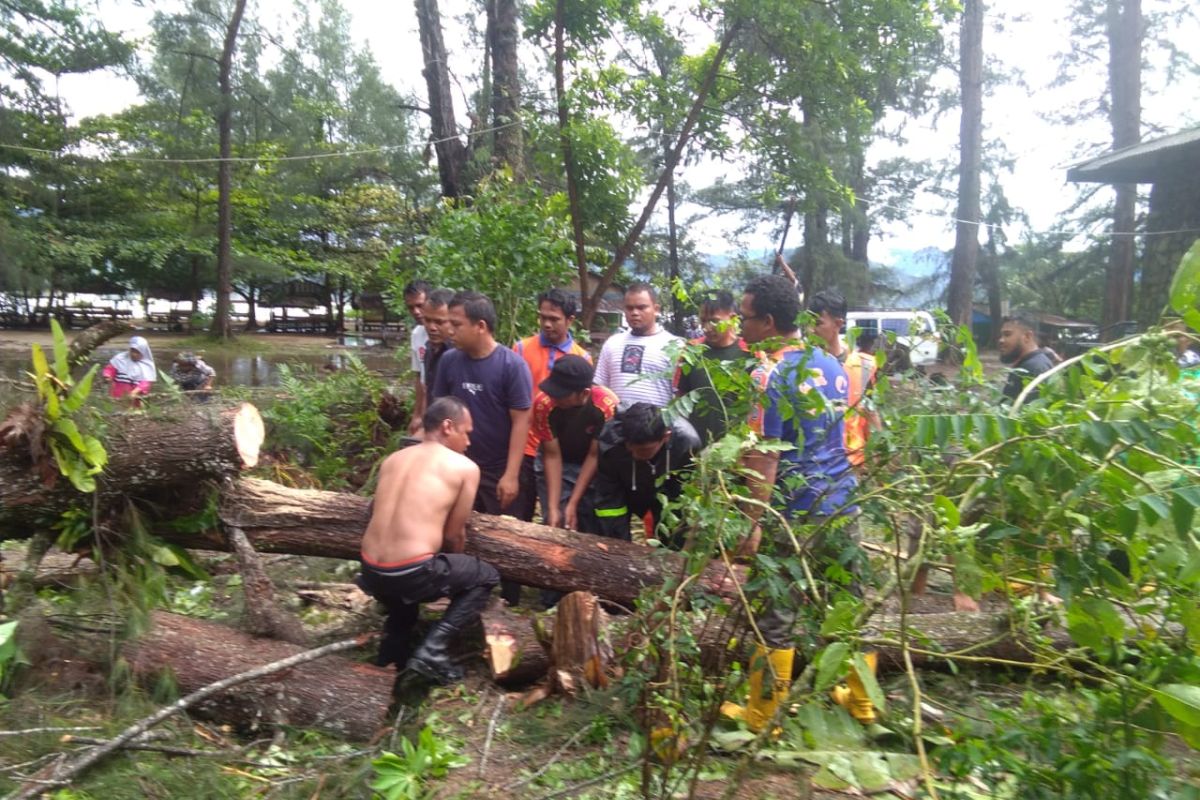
[[432, 658]]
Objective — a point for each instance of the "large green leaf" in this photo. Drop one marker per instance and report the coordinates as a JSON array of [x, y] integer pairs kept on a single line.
[[80, 391], [867, 676], [1185, 287], [67, 428], [61, 368], [1092, 621], [1181, 701], [864, 770], [830, 665]]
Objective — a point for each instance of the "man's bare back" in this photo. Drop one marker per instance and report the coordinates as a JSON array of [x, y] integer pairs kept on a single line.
[[422, 503]]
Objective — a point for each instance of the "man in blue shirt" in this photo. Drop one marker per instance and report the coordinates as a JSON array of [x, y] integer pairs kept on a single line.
[[494, 383], [802, 403]]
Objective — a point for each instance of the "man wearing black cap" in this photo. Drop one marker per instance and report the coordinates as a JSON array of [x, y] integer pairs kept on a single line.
[[569, 412]]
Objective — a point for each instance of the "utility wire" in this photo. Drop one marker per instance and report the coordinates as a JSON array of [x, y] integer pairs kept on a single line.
[[253, 159], [469, 134]]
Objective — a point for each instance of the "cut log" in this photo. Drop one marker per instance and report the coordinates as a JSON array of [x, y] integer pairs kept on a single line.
[[512, 649], [146, 454], [334, 694], [278, 519]]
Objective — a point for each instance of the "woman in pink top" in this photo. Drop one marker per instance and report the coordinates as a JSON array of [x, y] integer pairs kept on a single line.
[[131, 372]]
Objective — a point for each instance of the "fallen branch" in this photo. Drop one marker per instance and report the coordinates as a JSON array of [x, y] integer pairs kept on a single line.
[[32, 731], [63, 776]]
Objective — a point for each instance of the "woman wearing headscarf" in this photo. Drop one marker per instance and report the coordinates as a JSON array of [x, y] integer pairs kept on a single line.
[[131, 372]]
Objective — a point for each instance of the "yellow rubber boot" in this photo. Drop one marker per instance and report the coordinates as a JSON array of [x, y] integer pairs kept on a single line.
[[853, 696], [770, 681]]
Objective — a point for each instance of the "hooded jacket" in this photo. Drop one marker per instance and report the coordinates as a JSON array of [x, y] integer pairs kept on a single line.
[[620, 480]]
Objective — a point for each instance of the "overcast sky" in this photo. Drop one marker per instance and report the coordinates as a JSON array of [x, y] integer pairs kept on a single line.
[[1034, 32]]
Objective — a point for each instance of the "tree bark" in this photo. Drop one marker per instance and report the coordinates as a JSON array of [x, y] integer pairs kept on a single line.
[[580, 653], [451, 152], [278, 519], [512, 648], [337, 695], [263, 615], [509, 147], [1123, 20], [970, 144], [144, 454], [86, 341], [220, 325], [977, 635], [568, 153], [1174, 211]]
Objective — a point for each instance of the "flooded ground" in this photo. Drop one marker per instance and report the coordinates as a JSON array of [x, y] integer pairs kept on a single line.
[[253, 361]]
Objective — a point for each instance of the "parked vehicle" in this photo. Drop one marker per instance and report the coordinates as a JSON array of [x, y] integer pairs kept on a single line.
[[913, 330]]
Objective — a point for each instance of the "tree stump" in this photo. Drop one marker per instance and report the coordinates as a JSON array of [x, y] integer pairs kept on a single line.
[[580, 653]]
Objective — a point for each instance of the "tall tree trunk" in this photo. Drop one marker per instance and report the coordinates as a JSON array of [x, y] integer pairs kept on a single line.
[[503, 36], [568, 154], [970, 146], [1170, 225], [989, 271], [251, 308], [860, 226], [1123, 19], [677, 326], [592, 302], [451, 152], [816, 219], [195, 287], [220, 325]]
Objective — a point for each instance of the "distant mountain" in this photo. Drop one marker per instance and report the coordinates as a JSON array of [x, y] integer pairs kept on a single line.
[[923, 276]]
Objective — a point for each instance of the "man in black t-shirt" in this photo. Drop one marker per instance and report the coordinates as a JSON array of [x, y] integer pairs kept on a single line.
[[710, 411], [1019, 350], [569, 412], [436, 318]]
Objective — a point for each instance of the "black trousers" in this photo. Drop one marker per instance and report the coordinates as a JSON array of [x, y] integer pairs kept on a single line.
[[402, 590], [522, 507]]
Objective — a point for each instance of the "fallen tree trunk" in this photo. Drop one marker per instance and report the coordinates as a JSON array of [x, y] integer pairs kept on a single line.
[[278, 519], [935, 639], [146, 453], [89, 339], [335, 694]]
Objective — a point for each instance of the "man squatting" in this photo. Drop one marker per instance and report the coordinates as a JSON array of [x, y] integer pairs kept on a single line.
[[412, 552]]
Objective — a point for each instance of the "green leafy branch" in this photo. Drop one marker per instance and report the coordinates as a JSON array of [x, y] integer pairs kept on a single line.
[[79, 456]]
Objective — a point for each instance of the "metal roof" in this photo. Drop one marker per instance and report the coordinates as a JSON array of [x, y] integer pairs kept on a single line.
[[1174, 156]]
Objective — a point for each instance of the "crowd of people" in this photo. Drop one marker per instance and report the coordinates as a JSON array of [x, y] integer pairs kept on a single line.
[[598, 447]]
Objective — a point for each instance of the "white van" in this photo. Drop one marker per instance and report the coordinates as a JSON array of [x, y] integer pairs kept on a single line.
[[913, 329]]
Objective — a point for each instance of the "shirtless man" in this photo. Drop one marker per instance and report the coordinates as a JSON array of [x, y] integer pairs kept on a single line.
[[412, 552]]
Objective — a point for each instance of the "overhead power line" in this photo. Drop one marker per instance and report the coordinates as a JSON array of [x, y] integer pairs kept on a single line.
[[250, 159]]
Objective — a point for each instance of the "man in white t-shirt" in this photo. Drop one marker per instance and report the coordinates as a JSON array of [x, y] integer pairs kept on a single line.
[[636, 364], [414, 299]]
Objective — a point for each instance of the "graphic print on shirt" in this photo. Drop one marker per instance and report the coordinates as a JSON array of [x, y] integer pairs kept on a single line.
[[631, 359]]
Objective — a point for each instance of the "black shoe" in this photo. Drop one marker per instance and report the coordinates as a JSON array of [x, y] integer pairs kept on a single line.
[[432, 658]]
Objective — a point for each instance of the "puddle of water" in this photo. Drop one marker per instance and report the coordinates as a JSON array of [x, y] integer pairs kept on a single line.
[[234, 369]]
